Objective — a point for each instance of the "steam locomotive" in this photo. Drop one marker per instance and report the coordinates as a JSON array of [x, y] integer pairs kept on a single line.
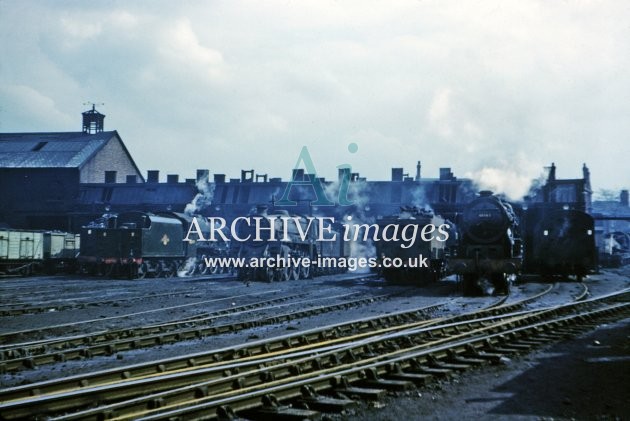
[[490, 244], [559, 241], [293, 238], [396, 259], [139, 244]]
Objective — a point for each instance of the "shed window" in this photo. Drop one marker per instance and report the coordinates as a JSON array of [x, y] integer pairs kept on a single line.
[[39, 146]]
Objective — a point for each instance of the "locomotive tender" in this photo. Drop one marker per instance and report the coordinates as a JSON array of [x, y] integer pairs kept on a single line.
[[559, 241], [396, 258], [137, 244], [490, 244]]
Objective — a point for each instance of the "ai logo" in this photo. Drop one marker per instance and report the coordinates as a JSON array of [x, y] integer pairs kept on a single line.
[[315, 182]]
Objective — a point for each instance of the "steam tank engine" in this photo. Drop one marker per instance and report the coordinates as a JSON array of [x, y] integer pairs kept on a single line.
[[490, 244], [401, 262], [294, 239], [560, 242], [137, 244]]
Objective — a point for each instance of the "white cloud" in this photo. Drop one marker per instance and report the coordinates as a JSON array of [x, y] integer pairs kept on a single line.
[[460, 84]]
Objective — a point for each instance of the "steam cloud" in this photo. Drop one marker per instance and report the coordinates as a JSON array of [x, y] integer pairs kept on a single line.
[[513, 179], [202, 199]]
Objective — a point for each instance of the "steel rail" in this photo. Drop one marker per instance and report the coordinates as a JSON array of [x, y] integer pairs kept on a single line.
[[222, 375], [260, 347], [257, 380], [111, 347], [6, 335], [49, 344], [405, 333], [250, 398]]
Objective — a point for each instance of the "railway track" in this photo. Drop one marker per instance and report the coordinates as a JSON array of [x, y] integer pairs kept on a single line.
[[31, 354], [18, 309], [330, 346]]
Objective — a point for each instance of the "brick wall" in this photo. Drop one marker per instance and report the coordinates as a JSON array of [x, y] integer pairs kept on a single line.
[[111, 158]]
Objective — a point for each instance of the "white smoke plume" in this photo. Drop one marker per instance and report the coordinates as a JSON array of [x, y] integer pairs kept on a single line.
[[359, 194], [419, 199], [513, 179], [187, 269], [202, 199]]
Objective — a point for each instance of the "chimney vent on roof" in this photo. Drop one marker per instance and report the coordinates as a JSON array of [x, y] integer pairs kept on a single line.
[[93, 121]]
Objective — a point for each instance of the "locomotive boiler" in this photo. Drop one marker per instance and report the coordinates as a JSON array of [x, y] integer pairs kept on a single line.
[[490, 244]]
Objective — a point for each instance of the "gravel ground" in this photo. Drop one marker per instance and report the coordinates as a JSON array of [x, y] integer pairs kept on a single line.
[[582, 379], [123, 303]]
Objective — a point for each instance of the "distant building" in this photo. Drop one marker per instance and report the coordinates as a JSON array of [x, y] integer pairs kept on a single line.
[[613, 215], [40, 173], [64, 180], [575, 193]]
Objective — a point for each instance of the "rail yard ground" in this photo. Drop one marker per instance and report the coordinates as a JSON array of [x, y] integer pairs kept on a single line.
[[60, 326]]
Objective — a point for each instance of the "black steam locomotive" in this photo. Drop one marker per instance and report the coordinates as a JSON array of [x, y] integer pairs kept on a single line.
[[559, 242], [400, 261], [279, 254], [490, 244], [139, 244]]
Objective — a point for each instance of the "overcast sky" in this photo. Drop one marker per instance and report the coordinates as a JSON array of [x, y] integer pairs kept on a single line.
[[494, 89]]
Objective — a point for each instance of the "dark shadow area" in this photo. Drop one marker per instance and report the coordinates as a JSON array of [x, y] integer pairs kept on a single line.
[[588, 378]]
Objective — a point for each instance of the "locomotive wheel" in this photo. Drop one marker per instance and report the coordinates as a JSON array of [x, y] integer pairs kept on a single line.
[[101, 269], [294, 273], [470, 286], [25, 270], [141, 271], [269, 275], [305, 272], [284, 274], [202, 269], [169, 270], [83, 269], [157, 271], [500, 283], [109, 269]]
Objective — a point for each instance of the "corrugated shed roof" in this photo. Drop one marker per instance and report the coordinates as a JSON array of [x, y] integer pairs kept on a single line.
[[46, 150], [125, 194]]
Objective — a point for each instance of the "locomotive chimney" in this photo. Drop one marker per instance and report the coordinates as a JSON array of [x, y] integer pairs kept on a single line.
[[552, 173], [418, 168]]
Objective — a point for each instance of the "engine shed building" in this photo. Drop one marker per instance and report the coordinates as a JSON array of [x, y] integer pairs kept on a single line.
[[41, 173]]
